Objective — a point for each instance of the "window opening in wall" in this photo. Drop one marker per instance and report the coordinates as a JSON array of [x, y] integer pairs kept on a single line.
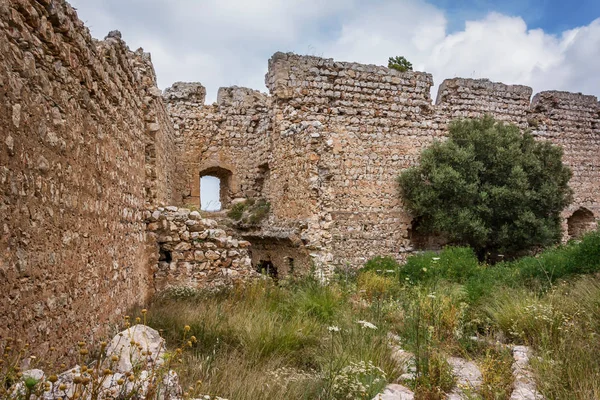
[[215, 188], [210, 193]]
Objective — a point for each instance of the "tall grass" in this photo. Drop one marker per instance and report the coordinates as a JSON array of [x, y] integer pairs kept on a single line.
[[273, 342], [302, 340], [563, 325]]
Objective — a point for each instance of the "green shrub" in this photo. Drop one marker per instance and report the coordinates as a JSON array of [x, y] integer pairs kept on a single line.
[[455, 264], [237, 211], [374, 286], [251, 211], [259, 211], [489, 187], [459, 265], [399, 63], [381, 265]]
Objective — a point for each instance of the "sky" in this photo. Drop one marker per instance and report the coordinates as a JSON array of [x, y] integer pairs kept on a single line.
[[209, 193], [546, 44]]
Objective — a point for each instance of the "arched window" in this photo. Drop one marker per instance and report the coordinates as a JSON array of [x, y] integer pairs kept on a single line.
[[580, 222], [215, 188]]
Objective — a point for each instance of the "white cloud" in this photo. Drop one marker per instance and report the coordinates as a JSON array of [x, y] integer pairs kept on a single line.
[[228, 42]]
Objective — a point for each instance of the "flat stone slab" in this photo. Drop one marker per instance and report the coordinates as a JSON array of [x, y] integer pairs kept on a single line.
[[395, 391], [524, 387], [468, 377]]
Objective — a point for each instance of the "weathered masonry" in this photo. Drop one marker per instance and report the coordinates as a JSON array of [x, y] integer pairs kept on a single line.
[[325, 148], [95, 162], [85, 146]]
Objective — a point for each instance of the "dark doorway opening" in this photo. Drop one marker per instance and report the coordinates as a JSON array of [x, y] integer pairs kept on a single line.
[[165, 255], [266, 267], [580, 222]]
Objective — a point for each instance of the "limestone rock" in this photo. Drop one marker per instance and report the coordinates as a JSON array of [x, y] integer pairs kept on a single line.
[[468, 377], [395, 392], [524, 387], [138, 345]]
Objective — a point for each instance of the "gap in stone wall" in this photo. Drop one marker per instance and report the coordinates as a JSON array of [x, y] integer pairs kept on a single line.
[[580, 222]]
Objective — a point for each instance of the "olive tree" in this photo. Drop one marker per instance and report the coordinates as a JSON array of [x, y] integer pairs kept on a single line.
[[490, 187]]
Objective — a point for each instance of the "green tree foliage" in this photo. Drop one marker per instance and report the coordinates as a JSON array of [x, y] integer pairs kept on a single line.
[[399, 63], [489, 187]]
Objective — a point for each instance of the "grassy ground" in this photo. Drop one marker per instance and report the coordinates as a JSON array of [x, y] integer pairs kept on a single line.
[[302, 340]]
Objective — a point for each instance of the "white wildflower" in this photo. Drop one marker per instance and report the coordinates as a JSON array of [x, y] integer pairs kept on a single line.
[[333, 328], [367, 324]]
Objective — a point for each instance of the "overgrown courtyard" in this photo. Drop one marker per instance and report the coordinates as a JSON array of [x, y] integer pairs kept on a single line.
[[304, 340]]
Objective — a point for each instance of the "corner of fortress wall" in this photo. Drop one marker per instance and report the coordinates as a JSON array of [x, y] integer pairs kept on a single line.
[[86, 146], [337, 134]]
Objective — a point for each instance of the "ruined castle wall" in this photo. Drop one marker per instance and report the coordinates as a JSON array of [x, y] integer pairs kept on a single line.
[[471, 98], [75, 114], [360, 125], [195, 252], [573, 122], [227, 139], [365, 124], [165, 174], [338, 134]]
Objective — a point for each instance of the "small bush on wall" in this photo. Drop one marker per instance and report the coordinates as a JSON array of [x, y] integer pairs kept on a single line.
[[399, 63]]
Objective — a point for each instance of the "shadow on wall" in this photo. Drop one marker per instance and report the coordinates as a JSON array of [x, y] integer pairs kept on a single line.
[[278, 257], [580, 222]]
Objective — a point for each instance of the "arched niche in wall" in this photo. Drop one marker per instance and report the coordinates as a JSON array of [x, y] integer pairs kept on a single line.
[[580, 222], [424, 241]]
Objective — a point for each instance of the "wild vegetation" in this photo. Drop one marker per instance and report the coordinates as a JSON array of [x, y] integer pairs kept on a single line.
[[300, 339], [399, 63], [304, 340], [250, 212]]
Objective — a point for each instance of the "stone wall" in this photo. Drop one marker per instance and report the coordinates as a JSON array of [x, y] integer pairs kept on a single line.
[[165, 175], [191, 251], [227, 139], [340, 133], [77, 117]]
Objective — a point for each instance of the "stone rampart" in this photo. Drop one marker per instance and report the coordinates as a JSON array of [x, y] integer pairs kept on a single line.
[[227, 139], [78, 117], [340, 133]]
